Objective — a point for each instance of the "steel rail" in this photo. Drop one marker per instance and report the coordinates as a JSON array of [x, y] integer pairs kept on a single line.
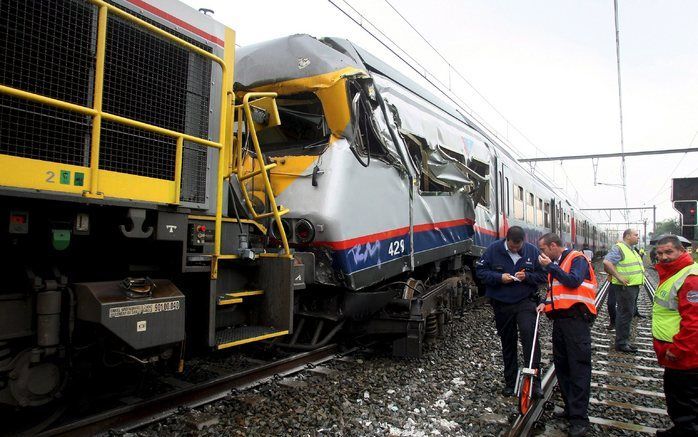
[[128, 417]]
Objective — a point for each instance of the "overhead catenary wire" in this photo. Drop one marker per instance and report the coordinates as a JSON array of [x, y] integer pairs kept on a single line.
[[661, 189], [462, 77], [672, 172], [435, 82]]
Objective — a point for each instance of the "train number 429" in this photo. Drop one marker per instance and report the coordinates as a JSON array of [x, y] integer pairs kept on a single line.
[[396, 247]]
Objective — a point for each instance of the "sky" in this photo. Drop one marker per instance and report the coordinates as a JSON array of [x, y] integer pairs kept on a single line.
[[542, 73]]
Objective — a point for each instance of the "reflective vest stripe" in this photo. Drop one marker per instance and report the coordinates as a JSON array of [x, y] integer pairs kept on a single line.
[[671, 300], [622, 264], [666, 319], [574, 297], [586, 284]]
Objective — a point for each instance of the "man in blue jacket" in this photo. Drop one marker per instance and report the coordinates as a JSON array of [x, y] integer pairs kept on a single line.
[[511, 273]]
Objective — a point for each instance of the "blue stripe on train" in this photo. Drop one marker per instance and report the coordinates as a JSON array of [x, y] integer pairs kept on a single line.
[[372, 254]]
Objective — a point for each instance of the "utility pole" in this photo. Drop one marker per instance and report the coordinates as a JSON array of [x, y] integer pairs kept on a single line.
[[645, 241], [654, 220], [620, 109]]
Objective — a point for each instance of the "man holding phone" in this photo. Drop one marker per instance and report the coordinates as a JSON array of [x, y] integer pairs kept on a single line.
[[511, 273]]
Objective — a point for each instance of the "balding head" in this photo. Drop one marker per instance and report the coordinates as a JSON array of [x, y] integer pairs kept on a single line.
[[631, 237]]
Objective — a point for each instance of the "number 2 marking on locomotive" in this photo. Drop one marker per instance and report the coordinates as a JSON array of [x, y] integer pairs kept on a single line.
[[396, 247], [49, 177]]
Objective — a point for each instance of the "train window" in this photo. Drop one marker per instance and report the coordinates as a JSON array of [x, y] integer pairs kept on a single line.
[[546, 214], [539, 212], [417, 147], [530, 208], [563, 218], [303, 129], [518, 202], [484, 194]]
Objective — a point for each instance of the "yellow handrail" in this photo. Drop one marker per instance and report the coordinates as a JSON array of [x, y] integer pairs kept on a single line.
[[262, 171], [97, 98], [257, 172]]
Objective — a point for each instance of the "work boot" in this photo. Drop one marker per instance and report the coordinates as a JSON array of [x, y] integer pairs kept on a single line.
[[627, 348], [578, 430]]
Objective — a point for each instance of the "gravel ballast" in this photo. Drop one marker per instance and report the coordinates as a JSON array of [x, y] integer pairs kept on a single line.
[[454, 389]]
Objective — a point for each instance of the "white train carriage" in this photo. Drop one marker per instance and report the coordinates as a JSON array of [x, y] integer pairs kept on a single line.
[[385, 182]]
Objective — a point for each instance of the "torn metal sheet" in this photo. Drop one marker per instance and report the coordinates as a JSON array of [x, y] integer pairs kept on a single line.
[[425, 120]]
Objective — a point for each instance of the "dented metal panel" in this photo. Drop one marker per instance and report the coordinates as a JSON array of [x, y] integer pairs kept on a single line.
[[285, 59]]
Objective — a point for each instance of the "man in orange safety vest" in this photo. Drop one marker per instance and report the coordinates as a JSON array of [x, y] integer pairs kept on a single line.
[[570, 303]]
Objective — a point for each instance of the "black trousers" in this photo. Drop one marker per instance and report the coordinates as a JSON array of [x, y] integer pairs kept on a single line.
[[512, 320], [681, 391], [572, 359], [611, 303], [625, 309]]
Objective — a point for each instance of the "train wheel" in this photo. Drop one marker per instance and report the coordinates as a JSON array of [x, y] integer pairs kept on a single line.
[[525, 395]]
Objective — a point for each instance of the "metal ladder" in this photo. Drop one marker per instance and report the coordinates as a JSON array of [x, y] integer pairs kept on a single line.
[[236, 167]]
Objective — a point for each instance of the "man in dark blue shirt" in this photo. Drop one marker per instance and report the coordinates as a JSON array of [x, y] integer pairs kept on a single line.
[[510, 271]]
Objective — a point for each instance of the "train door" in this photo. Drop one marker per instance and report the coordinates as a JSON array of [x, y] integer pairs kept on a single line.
[[498, 194], [554, 222], [505, 196]]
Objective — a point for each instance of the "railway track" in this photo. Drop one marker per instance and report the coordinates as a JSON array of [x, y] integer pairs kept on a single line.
[[626, 390], [189, 396]]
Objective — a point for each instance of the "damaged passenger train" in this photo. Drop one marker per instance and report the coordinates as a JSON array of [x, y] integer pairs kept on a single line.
[[393, 193], [158, 202]]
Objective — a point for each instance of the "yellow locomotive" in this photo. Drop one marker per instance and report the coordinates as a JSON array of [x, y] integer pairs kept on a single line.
[[119, 228]]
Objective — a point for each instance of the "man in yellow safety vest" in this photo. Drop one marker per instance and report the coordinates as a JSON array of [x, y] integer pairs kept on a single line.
[[675, 332], [627, 273]]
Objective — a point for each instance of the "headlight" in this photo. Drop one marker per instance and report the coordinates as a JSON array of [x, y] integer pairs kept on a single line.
[[305, 231]]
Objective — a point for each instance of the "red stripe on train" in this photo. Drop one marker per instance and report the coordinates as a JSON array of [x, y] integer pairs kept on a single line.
[[174, 20], [348, 244], [485, 231]]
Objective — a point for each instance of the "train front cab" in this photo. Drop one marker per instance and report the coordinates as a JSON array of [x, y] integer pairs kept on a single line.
[[121, 239]]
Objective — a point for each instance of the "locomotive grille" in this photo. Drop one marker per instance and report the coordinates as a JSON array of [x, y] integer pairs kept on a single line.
[[44, 49], [47, 47]]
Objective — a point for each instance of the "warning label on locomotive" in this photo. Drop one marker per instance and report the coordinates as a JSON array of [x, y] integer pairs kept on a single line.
[[147, 308]]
